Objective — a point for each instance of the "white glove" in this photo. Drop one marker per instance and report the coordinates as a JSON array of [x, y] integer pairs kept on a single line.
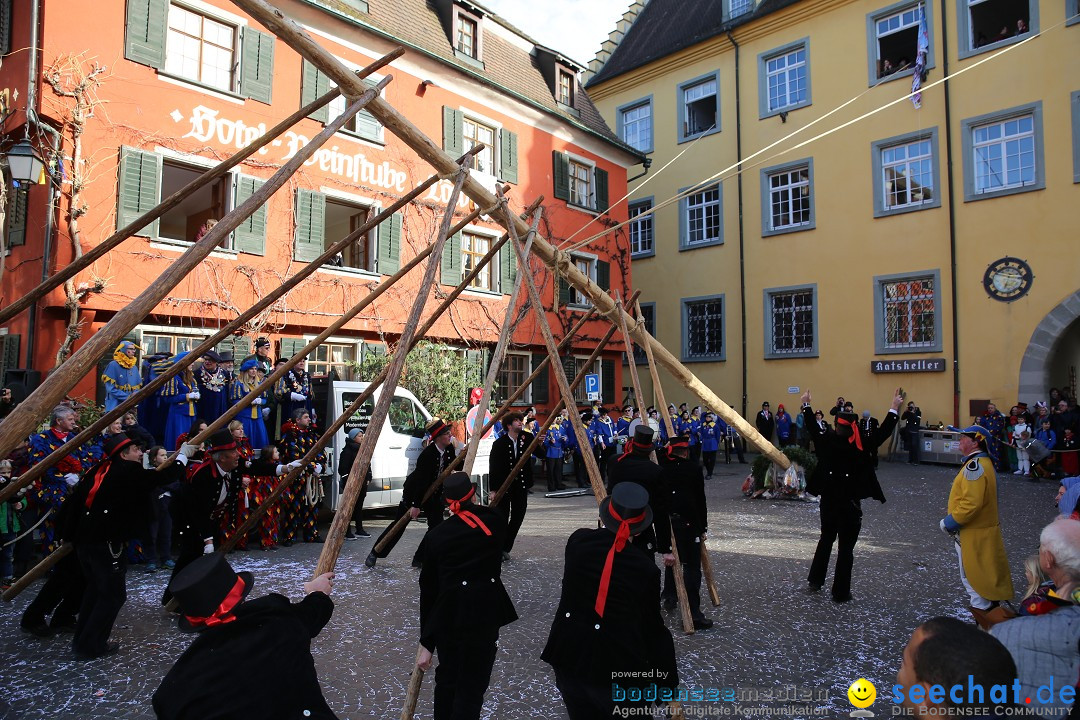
[[189, 450], [258, 401], [943, 528], [297, 397], [266, 413], [208, 548], [72, 479], [182, 458], [193, 396], [318, 469], [295, 464]]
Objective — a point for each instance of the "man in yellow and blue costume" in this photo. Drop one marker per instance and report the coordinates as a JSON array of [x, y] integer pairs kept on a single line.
[[122, 377], [973, 523]]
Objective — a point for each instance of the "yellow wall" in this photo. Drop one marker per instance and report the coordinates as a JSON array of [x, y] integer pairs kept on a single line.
[[849, 246]]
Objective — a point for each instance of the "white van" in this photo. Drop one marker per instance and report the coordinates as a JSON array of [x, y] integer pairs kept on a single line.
[[398, 445]]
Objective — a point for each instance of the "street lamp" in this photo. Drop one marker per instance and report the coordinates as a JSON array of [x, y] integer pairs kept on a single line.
[[24, 163]]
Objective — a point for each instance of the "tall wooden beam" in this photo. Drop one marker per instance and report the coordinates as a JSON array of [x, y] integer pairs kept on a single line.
[[558, 261]]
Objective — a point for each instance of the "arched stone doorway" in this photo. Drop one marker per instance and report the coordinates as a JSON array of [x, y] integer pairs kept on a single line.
[[1054, 350]]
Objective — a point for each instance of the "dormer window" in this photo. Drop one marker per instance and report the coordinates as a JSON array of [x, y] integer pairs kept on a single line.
[[467, 35], [566, 88]]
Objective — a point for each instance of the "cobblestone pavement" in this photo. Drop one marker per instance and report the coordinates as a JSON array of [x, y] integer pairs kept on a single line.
[[768, 634]]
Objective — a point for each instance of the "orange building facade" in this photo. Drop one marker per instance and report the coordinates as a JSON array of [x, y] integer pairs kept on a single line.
[[187, 83]]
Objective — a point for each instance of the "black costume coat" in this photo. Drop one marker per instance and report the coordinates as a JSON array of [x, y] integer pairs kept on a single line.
[[631, 637], [765, 425], [687, 483], [429, 465], [502, 459], [195, 506], [460, 585], [639, 469], [257, 666], [844, 474]]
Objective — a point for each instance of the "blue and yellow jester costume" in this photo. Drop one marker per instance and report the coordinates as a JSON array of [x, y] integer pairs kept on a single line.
[[181, 409], [121, 378]]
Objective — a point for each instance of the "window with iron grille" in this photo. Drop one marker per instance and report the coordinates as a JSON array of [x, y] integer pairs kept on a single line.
[[641, 228], [909, 313], [703, 329], [739, 7], [580, 397], [792, 322], [512, 374], [200, 48]]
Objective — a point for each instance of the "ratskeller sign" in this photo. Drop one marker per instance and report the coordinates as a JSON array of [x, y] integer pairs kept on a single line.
[[912, 366]]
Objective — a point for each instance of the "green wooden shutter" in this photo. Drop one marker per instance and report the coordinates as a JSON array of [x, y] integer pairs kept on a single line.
[[140, 177], [144, 32], [9, 355], [508, 156], [5, 41], [288, 347], [314, 84], [603, 275], [250, 237], [257, 65], [310, 225], [607, 381], [601, 190], [18, 200], [507, 268], [451, 261], [237, 345], [367, 126], [474, 359], [388, 242], [453, 141], [372, 349], [564, 291], [561, 174], [540, 384]]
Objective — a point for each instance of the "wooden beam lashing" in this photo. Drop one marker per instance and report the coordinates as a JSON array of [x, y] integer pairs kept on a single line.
[[558, 261]]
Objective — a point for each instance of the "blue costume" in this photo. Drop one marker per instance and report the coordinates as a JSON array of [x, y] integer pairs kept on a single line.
[[121, 378], [251, 416], [710, 437], [181, 409], [214, 389]]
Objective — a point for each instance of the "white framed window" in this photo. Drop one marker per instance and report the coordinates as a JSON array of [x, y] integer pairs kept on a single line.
[[343, 217], [473, 248], [1003, 154], [363, 124], [907, 175], [896, 37], [788, 194], [337, 356], [791, 322], [634, 124], [587, 266], [703, 329], [785, 79], [201, 48], [163, 342], [907, 312], [702, 217], [512, 375], [699, 106], [641, 228], [189, 221], [466, 36], [990, 24], [566, 88], [476, 133], [581, 184], [739, 7]]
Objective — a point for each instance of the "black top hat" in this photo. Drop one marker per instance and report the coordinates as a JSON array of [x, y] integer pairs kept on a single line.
[[222, 440], [262, 342], [115, 443], [586, 416], [849, 416], [207, 591], [628, 501], [457, 486], [643, 436], [436, 428], [211, 355]]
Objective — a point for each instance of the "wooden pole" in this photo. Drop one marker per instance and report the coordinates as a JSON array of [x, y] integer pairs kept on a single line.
[[497, 356], [98, 251], [558, 261], [286, 481], [676, 569], [38, 570], [706, 570], [27, 414], [412, 690], [335, 536], [399, 525], [591, 466], [273, 296]]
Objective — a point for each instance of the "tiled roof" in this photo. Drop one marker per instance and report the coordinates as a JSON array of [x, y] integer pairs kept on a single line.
[[505, 65], [668, 26]]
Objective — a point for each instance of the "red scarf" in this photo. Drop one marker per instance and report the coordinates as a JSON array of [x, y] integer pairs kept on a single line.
[[622, 535], [855, 436], [99, 477], [223, 614], [467, 516]]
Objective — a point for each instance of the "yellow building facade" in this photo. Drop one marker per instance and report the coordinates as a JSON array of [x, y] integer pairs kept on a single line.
[[862, 246]]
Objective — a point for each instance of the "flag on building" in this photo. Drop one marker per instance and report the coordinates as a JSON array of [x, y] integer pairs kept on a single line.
[[920, 60]]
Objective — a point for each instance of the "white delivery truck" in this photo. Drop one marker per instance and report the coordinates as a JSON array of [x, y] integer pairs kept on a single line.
[[398, 446]]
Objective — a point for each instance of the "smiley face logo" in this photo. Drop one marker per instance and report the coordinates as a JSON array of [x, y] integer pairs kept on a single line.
[[862, 693]]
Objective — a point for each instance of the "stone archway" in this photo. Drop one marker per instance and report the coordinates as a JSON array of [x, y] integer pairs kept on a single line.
[[1035, 366]]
